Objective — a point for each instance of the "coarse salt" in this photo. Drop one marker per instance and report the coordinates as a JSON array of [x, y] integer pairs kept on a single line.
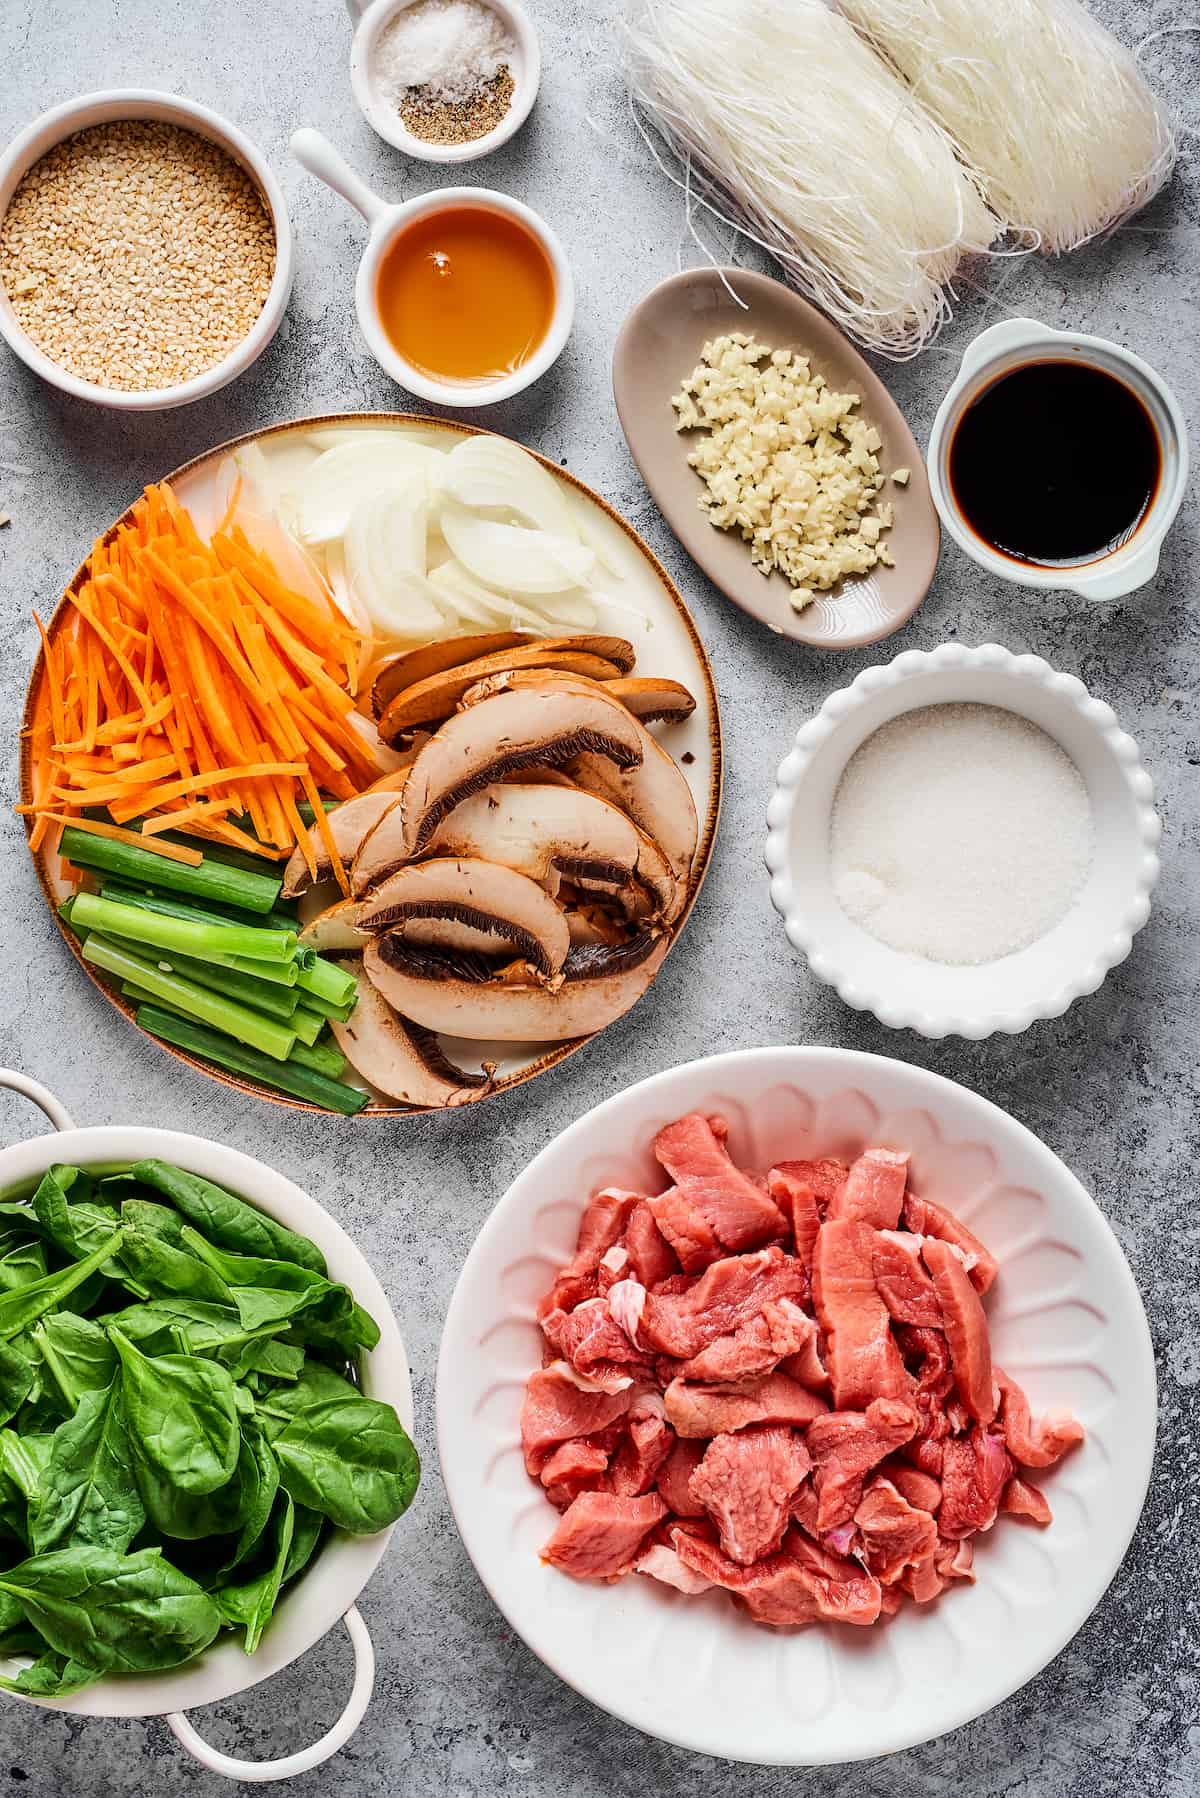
[[959, 833], [448, 48]]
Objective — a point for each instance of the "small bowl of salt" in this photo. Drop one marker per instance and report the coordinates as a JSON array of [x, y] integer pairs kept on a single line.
[[963, 842], [444, 80]]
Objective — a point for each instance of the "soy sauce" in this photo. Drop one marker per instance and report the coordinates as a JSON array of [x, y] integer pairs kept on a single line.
[[1055, 463]]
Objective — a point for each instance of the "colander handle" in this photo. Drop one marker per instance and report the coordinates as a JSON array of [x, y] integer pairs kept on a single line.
[[54, 1109], [262, 1772]]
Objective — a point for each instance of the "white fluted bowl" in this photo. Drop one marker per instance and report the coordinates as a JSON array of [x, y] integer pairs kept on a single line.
[[1065, 1319], [1009, 994]]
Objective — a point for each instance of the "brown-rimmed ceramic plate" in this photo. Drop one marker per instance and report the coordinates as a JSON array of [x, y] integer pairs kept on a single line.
[[644, 605], [658, 347]]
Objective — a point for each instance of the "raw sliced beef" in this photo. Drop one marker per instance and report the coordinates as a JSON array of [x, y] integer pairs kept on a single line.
[[734, 1208], [574, 1467], [555, 1410], [894, 1533], [694, 1410], [1023, 1499], [675, 1477], [732, 1291], [873, 1192], [780, 1329], [861, 1353], [975, 1471], [924, 1218], [1034, 1445], [846, 1445], [797, 1201], [602, 1224], [651, 1257], [599, 1536], [643, 1451], [966, 1329], [901, 1281], [747, 1483], [693, 1346]]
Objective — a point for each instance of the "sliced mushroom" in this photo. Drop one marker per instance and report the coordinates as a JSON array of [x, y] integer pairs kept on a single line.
[[454, 652], [545, 725], [335, 931], [429, 701], [653, 699], [650, 699], [432, 658], [400, 1059], [652, 789], [459, 995], [550, 831], [512, 912], [349, 825]]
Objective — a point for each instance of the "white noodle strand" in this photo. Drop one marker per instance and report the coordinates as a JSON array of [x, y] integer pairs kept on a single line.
[[791, 131], [1048, 109]]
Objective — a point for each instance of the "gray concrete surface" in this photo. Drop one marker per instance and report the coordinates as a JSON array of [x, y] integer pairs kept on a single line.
[[461, 1707]]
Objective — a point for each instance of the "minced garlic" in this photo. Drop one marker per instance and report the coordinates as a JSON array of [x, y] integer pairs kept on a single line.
[[786, 463]]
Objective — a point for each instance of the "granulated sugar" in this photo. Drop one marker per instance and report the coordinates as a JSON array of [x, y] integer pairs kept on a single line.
[[959, 833]]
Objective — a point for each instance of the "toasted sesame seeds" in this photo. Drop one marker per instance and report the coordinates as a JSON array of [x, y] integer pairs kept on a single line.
[[137, 254]]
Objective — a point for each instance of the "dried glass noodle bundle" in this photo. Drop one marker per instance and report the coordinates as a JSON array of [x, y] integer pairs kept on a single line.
[[792, 129], [1045, 105]]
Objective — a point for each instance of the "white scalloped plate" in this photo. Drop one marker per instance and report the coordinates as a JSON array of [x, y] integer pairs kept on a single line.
[[1066, 1320], [1008, 994]]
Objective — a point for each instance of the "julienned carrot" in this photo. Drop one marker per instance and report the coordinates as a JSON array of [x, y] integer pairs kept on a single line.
[[191, 681]]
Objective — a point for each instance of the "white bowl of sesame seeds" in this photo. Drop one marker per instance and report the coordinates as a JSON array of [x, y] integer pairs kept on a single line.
[[146, 253]]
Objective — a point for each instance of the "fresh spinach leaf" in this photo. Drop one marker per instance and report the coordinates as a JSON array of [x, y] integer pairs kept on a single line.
[[52, 1675], [227, 1221], [74, 1227], [306, 1533], [24, 1459], [259, 1471], [260, 1354], [88, 1491], [250, 1604], [111, 1612], [164, 1269], [22, 1307], [182, 1416], [17, 1377], [22, 1265], [76, 1353], [267, 1292], [350, 1459], [151, 1219], [317, 1385]]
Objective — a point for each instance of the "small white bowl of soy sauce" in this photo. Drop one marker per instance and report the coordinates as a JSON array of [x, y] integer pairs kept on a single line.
[[1058, 460]]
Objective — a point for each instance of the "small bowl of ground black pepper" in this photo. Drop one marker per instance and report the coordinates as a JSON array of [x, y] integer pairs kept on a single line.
[[145, 250], [444, 80]]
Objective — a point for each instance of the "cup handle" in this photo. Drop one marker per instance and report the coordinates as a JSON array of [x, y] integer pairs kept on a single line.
[[1124, 579], [305, 1759], [54, 1108], [316, 154], [1009, 334]]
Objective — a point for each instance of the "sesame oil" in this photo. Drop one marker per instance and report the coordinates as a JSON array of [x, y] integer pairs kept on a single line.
[[465, 294]]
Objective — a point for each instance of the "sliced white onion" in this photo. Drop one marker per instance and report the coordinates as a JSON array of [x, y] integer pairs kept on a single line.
[[351, 472], [385, 562], [492, 475], [511, 558]]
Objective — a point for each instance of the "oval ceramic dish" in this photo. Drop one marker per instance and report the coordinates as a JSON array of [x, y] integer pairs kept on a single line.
[[1009, 994], [327, 1590], [650, 611], [1065, 1317], [659, 345]]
